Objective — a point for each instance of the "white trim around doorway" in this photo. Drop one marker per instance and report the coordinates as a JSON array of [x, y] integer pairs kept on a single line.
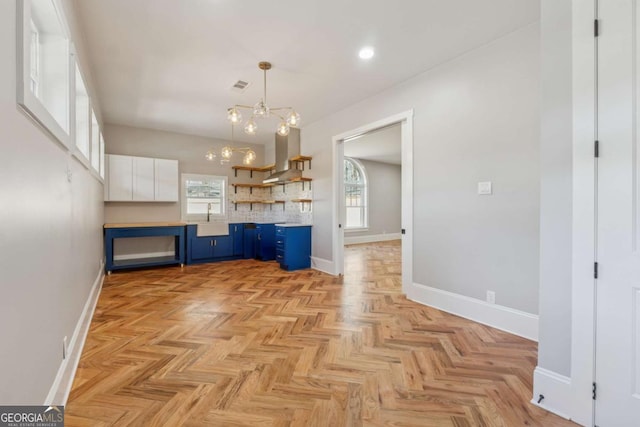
[[406, 122]]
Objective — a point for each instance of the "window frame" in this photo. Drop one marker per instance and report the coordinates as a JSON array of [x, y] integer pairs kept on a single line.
[[78, 151], [187, 217], [34, 84], [365, 196], [31, 103], [94, 140]]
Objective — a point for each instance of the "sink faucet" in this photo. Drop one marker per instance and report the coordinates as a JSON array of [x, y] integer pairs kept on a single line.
[[208, 212]]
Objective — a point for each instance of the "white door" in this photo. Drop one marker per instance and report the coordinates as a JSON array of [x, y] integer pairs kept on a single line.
[[617, 374]]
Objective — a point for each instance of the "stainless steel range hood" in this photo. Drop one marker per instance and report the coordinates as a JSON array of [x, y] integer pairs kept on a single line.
[[286, 148]]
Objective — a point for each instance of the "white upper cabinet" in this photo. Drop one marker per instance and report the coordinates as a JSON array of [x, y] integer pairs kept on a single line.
[[143, 186], [120, 178], [141, 179], [166, 180]]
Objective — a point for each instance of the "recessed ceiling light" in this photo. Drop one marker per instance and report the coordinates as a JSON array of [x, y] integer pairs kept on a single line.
[[366, 52]]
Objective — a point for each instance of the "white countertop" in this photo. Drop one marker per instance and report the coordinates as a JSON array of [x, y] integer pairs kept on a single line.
[[290, 224]]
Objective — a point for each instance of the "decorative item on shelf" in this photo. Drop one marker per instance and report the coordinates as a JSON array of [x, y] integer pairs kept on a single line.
[[227, 152], [261, 110]]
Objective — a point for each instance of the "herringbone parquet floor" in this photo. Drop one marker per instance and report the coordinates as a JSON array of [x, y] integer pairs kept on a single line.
[[243, 343]]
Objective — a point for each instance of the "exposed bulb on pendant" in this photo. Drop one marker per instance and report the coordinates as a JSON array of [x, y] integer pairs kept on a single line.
[[261, 110], [293, 118], [250, 156], [234, 116], [251, 127], [226, 152], [211, 156], [283, 128]]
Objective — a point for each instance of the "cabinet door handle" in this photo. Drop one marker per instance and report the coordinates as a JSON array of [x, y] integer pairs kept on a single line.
[[215, 243], [235, 228], [210, 242]]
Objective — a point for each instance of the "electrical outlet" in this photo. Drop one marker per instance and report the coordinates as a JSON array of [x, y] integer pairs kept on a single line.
[[491, 297], [64, 347]]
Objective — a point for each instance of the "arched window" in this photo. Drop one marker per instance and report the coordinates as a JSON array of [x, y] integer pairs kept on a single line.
[[355, 193]]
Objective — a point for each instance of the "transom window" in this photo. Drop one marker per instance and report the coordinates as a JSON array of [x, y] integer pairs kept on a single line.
[[34, 71], [49, 70], [355, 192], [204, 197]]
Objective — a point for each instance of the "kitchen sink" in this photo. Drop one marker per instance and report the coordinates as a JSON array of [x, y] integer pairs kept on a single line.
[[215, 228]]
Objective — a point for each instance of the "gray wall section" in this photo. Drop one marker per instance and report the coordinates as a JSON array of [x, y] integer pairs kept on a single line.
[[187, 149], [50, 240], [384, 185], [556, 139], [476, 118]]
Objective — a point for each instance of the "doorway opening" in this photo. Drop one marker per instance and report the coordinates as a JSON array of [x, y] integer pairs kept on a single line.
[[372, 200], [353, 218]]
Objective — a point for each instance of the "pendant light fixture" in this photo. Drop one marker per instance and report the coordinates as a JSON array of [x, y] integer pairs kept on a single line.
[[227, 152], [261, 110]]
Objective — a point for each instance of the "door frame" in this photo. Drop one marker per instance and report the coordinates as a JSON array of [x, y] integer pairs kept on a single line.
[[405, 119], [583, 292]]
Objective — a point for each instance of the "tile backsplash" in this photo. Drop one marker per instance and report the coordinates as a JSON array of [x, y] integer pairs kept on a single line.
[[288, 212]]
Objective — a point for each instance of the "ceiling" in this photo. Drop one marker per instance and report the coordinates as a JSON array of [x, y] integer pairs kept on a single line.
[[170, 65], [382, 146]]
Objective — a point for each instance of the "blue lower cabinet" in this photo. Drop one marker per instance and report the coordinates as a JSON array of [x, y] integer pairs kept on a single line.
[[200, 248], [212, 248], [113, 232], [266, 242], [249, 249], [222, 246], [237, 231], [293, 246]]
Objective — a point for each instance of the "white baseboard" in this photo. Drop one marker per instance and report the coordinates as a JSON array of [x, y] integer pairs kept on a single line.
[[556, 390], [144, 255], [352, 240], [323, 265], [498, 316], [61, 387]]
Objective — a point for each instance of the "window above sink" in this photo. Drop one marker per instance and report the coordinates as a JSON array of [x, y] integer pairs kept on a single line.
[[203, 197]]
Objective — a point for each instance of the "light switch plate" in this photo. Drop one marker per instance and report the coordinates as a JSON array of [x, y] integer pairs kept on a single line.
[[485, 188]]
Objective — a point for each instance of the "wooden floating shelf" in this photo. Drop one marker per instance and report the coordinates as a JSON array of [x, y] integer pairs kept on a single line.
[[299, 160], [252, 169], [253, 185], [258, 202], [302, 200], [250, 187], [301, 179]]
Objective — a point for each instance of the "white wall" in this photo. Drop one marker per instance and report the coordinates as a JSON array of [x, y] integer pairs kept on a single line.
[[556, 152], [383, 190], [50, 240], [476, 118]]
